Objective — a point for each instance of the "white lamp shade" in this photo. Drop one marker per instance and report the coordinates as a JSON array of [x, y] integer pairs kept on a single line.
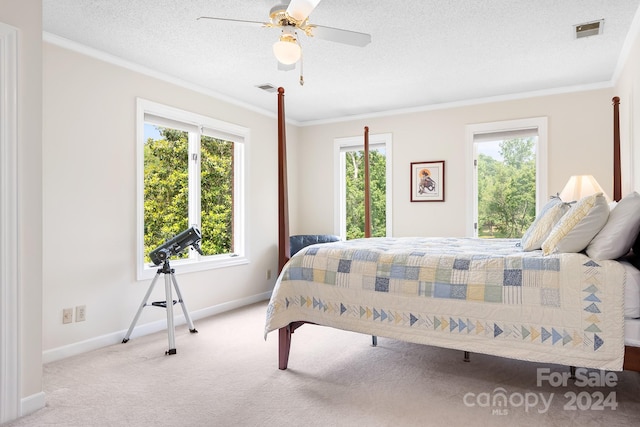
[[287, 52], [580, 186]]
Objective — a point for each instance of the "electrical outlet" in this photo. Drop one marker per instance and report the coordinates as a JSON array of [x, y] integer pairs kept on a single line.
[[268, 274], [81, 313], [67, 315]]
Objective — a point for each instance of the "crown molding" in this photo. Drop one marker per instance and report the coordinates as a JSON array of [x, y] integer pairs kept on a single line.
[[120, 62]]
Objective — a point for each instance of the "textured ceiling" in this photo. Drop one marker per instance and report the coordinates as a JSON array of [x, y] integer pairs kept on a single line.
[[423, 52]]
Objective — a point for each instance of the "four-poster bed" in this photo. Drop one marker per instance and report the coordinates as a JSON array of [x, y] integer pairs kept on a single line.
[[475, 295]]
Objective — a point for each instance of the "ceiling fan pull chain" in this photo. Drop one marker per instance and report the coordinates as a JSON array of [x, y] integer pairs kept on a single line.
[[301, 76]]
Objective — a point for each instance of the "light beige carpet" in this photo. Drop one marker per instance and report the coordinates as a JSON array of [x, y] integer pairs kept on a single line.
[[227, 375]]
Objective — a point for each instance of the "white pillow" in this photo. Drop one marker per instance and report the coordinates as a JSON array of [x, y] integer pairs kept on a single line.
[[618, 234], [543, 224], [578, 227]]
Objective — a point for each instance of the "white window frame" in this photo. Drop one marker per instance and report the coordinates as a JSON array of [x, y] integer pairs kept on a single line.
[[340, 146], [505, 126], [209, 127]]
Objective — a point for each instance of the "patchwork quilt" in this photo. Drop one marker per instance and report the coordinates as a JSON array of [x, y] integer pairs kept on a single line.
[[478, 295]]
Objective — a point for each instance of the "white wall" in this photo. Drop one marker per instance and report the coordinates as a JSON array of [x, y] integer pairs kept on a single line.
[[579, 137], [628, 89], [90, 194], [26, 15]]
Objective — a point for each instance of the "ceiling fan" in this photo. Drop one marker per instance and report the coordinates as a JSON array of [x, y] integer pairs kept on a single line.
[[291, 17]]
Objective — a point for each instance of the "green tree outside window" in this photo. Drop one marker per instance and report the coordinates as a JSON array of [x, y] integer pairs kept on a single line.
[[354, 176], [507, 190], [166, 191]]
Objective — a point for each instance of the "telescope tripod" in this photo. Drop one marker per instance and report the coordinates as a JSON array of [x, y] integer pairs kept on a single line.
[[169, 278]]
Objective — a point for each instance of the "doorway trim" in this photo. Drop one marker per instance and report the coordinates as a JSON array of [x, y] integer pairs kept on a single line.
[[9, 248]]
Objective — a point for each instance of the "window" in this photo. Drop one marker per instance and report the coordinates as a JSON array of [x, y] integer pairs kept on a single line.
[[508, 182], [190, 173], [349, 179]]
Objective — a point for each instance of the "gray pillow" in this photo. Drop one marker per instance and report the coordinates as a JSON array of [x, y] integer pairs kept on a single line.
[[619, 233]]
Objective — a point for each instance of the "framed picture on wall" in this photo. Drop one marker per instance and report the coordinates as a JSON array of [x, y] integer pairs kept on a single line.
[[427, 181]]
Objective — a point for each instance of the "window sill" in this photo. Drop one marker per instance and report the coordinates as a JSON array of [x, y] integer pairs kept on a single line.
[[148, 271]]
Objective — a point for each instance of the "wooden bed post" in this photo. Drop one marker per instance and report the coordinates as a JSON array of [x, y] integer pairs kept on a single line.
[[617, 172], [367, 201], [631, 354], [284, 346], [284, 334], [283, 202]]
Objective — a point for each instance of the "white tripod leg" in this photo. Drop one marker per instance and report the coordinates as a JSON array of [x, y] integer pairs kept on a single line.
[[192, 328], [169, 302], [143, 305]]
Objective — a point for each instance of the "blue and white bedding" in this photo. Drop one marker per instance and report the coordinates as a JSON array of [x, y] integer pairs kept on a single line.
[[477, 295]]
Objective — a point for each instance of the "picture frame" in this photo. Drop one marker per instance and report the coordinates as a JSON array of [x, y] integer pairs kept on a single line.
[[427, 181]]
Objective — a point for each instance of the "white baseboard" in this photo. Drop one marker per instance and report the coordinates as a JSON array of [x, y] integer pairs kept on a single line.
[[146, 329], [31, 404]]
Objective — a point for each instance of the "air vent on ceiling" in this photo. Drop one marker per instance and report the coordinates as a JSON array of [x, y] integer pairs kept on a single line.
[[589, 29], [268, 87]]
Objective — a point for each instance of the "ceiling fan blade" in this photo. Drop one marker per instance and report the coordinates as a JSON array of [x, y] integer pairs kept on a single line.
[[337, 35], [239, 21], [286, 67], [301, 9]]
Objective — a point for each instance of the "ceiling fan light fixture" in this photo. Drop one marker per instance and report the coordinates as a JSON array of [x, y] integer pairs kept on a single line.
[[287, 50]]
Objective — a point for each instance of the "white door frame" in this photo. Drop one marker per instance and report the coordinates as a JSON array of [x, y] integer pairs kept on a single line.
[[9, 291]]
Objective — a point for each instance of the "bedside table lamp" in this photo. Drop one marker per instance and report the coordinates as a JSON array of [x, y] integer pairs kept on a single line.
[[580, 186]]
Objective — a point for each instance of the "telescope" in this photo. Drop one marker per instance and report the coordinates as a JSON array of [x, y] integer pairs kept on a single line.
[[189, 237], [161, 255]]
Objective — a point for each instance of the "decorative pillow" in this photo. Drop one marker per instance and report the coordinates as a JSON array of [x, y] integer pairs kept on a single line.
[[618, 234], [578, 227], [543, 224]]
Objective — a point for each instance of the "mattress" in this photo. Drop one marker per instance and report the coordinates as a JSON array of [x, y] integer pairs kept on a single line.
[[632, 332], [631, 291], [631, 305]]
